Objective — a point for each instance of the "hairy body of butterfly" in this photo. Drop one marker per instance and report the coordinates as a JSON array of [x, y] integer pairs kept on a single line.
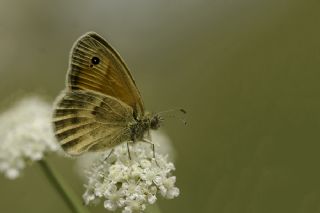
[[101, 106]]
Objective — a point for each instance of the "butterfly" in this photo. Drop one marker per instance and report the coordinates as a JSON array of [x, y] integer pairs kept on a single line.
[[101, 106]]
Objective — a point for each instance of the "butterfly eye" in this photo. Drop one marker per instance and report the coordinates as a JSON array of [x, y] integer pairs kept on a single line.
[[95, 60]]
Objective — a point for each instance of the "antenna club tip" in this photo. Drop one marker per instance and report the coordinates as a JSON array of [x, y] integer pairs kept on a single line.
[[183, 111]]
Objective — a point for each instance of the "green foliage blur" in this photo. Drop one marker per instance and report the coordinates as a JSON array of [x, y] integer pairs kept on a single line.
[[246, 71]]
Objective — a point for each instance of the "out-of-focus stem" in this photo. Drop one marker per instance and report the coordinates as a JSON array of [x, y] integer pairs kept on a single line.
[[66, 193]]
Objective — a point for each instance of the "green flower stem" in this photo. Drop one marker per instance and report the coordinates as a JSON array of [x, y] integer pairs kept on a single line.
[[66, 193]]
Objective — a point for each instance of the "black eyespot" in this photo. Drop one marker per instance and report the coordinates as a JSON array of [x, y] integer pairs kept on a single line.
[[95, 60]]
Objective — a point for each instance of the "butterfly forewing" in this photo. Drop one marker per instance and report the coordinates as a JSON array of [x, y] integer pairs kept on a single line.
[[96, 66], [85, 119]]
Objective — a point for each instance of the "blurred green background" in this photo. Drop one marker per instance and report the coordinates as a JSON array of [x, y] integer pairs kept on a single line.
[[246, 71]]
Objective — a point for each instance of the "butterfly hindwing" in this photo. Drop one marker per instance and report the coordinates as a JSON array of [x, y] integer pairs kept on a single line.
[[83, 119], [96, 66]]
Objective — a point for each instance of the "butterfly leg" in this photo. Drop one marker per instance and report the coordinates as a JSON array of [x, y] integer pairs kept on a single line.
[[153, 149], [128, 150], [109, 154]]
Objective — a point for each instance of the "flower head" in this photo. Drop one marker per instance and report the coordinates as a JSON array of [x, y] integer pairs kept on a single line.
[[25, 135], [130, 184]]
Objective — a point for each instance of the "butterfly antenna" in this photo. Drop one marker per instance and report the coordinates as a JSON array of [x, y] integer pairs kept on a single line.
[[172, 110], [168, 114]]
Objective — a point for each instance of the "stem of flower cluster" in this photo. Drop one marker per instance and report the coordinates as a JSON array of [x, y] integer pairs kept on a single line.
[[66, 193]]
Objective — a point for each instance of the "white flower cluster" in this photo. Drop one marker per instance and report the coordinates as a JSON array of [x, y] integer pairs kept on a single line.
[[25, 135], [130, 184], [163, 147]]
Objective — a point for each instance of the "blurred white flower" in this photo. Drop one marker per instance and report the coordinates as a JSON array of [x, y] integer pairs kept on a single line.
[[163, 144], [25, 135], [130, 184]]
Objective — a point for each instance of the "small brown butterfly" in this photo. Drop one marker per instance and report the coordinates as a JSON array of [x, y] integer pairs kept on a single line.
[[101, 106]]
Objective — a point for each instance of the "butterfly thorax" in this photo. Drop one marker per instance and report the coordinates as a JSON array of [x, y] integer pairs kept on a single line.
[[143, 125]]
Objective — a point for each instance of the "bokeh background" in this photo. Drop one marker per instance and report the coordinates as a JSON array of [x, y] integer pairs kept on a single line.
[[247, 72]]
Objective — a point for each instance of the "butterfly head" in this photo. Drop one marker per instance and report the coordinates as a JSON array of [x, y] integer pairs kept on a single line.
[[155, 121]]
